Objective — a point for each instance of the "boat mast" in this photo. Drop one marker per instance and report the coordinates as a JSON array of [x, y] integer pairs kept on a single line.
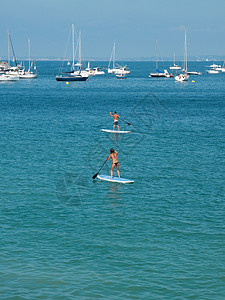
[[29, 53], [79, 48], [185, 50], [73, 45], [156, 56], [8, 49], [14, 56], [112, 57], [114, 54]]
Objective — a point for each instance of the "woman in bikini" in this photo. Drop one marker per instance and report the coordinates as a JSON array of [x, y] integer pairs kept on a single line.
[[113, 155]]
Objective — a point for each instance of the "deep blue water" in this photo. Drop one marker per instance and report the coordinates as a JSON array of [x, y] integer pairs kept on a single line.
[[65, 236]]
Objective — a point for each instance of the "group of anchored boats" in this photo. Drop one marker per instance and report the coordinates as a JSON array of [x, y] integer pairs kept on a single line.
[[216, 69], [184, 75], [77, 73], [18, 71]]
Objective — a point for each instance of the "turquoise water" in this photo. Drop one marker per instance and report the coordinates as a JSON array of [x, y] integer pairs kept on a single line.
[[65, 236]]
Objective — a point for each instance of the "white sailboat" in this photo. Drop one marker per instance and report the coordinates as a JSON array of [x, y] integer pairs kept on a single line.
[[116, 70], [12, 73], [112, 59], [214, 66], [184, 76], [74, 75], [94, 71], [28, 74], [8, 77], [175, 67], [212, 71], [158, 73]]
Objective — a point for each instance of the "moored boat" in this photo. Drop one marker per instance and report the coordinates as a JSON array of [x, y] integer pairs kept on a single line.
[[175, 67], [194, 73], [74, 75], [212, 71], [184, 76], [158, 73], [116, 69], [8, 77], [28, 74], [121, 76]]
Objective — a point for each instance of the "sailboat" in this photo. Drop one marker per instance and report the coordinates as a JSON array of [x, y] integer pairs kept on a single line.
[[223, 67], [94, 71], [159, 73], [12, 74], [28, 74], [74, 75], [184, 76], [116, 70], [175, 67]]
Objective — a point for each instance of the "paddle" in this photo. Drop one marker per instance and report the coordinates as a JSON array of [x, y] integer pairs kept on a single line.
[[126, 122], [94, 176]]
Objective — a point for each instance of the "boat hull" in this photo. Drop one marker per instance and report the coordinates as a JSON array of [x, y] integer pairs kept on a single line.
[[194, 73], [181, 78], [28, 76], [8, 78], [121, 76], [157, 75], [175, 68], [71, 78], [212, 72]]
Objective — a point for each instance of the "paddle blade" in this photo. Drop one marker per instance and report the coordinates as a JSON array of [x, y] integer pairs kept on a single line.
[[94, 176], [129, 124]]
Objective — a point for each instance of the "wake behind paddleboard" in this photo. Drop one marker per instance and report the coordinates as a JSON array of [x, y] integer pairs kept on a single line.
[[115, 131], [114, 179]]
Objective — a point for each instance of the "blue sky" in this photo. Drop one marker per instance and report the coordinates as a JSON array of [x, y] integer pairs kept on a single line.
[[134, 25]]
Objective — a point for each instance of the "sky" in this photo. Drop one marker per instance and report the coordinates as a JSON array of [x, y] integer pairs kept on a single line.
[[133, 25]]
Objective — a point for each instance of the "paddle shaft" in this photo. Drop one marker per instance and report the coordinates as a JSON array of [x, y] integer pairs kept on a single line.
[[126, 122], [94, 176]]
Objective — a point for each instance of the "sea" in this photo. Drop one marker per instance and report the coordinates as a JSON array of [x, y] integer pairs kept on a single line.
[[67, 236]]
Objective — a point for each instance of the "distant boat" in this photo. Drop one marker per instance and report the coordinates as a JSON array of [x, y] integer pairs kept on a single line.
[[175, 67], [4, 66], [194, 73], [114, 69], [159, 73], [98, 71], [94, 71], [73, 75], [28, 74], [212, 71], [183, 76], [12, 71], [8, 77], [214, 66], [121, 76]]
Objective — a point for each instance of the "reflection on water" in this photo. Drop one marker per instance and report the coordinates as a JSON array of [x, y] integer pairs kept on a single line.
[[115, 137], [114, 194]]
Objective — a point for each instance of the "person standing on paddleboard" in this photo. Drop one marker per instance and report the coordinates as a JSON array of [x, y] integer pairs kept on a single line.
[[115, 163], [115, 122]]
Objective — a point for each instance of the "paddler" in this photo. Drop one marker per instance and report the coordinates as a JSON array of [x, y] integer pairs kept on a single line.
[[115, 122], [115, 163]]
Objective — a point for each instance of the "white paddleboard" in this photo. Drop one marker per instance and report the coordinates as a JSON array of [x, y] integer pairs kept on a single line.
[[114, 179], [115, 131]]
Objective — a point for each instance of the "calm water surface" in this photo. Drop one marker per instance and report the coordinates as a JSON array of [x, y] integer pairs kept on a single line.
[[65, 236]]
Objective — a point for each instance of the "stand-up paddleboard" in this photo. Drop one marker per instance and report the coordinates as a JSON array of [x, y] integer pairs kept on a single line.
[[114, 179], [115, 131]]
